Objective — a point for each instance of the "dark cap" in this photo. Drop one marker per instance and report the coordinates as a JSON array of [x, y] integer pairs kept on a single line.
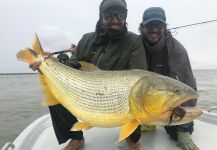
[[154, 14], [112, 4]]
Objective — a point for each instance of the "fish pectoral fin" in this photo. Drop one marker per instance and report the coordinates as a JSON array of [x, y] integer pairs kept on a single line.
[[127, 129], [81, 126], [87, 66], [49, 100]]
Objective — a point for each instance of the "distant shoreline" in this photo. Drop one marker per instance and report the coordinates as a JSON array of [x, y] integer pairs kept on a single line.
[[17, 73], [29, 73]]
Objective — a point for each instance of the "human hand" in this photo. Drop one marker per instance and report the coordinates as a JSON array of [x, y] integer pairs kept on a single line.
[[36, 64], [71, 49], [47, 55], [132, 145], [185, 141]]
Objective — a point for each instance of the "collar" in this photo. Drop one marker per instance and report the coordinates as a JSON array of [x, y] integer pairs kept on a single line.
[[158, 47]]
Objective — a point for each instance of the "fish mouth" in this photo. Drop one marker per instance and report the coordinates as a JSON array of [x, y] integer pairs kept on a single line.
[[182, 115], [193, 95]]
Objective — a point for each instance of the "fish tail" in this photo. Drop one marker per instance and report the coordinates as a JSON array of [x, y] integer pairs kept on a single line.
[[27, 55], [30, 55]]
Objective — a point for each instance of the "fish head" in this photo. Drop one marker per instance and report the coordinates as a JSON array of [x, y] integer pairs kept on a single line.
[[156, 100]]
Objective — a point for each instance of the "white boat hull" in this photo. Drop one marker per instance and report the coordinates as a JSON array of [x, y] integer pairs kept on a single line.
[[40, 136]]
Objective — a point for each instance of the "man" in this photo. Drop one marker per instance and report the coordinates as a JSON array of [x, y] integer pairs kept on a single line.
[[110, 47], [166, 56]]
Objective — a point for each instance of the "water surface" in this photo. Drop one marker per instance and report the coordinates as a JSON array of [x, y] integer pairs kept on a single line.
[[20, 100]]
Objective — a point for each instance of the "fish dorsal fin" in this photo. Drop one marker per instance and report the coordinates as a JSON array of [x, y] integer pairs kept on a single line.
[[36, 45], [127, 129], [81, 126], [87, 66]]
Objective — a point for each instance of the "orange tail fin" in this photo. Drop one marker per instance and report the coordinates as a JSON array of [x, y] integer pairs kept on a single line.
[[27, 55]]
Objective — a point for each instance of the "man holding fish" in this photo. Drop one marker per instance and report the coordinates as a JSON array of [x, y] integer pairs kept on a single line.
[[124, 99], [110, 47]]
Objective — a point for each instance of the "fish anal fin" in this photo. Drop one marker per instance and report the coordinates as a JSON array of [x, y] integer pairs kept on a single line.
[[87, 66], [81, 126], [49, 100], [127, 129], [36, 45]]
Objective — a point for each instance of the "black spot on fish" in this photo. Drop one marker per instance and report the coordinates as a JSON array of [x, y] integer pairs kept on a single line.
[[100, 94], [177, 112]]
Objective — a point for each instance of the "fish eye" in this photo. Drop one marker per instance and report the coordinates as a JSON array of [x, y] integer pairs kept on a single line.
[[177, 90]]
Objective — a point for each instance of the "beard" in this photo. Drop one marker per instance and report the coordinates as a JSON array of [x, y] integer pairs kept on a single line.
[[109, 33], [115, 26]]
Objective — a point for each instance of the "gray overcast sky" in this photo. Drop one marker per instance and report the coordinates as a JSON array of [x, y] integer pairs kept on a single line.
[[59, 23]]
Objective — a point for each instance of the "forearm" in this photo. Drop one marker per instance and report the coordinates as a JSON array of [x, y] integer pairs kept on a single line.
[[188, 127]]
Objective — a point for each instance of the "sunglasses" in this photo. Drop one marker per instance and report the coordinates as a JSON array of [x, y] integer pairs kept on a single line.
[[110, 16]]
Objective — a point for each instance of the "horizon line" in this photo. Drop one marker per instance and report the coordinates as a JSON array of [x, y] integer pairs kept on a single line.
[[14, 73]]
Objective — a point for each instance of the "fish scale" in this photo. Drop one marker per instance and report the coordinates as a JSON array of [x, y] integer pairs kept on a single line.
[[113, 97]]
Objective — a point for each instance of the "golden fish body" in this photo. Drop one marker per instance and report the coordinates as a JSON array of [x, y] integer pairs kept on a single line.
[[97, 97], [122, 99]]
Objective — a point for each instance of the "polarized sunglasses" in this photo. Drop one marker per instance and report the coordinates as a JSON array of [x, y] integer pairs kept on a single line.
[[110, 16]]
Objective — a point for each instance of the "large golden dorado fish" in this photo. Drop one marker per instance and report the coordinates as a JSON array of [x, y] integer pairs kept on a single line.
[[122, 99]]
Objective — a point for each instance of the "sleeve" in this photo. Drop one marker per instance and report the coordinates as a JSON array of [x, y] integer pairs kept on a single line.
[[76, 56], [185, 74], [138, 57], [180, 66]]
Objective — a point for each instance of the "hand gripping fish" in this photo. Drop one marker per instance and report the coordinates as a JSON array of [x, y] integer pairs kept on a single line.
[[99, 98]]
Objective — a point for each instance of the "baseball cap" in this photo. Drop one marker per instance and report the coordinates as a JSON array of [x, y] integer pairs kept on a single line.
[[154, 14]]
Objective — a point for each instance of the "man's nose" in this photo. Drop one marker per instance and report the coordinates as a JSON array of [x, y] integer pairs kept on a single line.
[[115, 19]]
